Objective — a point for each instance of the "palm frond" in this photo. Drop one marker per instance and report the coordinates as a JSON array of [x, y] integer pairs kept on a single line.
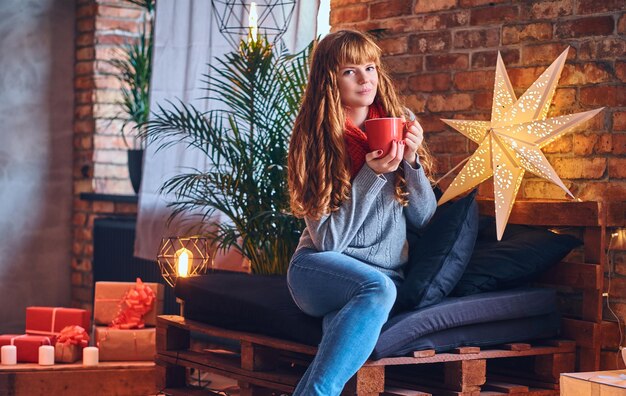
[[246, 147]]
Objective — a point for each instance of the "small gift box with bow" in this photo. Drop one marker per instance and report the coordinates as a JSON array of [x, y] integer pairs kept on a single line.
[[70, 344], [49, 321], [120, 344], [27, 345], [127, 305]]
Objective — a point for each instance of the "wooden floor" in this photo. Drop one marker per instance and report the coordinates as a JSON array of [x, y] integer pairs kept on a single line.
[[107, 378]]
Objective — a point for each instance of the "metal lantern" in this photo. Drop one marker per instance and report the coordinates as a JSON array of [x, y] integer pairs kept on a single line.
[[238, 19], [180, 257]]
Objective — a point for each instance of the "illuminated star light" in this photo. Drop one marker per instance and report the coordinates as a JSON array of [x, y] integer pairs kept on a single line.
[[511, 142]]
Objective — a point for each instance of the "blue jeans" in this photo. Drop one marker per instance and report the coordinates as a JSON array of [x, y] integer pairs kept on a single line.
[[354, 299]]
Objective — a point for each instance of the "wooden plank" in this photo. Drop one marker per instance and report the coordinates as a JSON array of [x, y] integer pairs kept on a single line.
[[465, 375], [466, 350], [524, 381], [559, 343], [611, 360], [576, 275], [368, 380], [588, 359], [170, 337], [170, 376], [548, 213], [73, 379], [609, 335], [278, 380], [187, 392], [424, 353], [179, 321], [586, 334], [504, 387], [429, 389], [516, 346], [258, 358], [592, 305], [551, 366], [395, 391], [615, 214], [76, 367], [483, 354]]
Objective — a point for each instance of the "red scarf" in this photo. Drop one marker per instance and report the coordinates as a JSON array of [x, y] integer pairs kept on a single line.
[[356, 139]]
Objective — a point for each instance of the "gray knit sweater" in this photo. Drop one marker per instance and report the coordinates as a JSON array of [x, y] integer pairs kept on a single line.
[[371, 225]]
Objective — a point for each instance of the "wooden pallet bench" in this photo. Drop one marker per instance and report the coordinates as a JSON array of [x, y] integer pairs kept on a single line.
[[264, 365], [270, 366]]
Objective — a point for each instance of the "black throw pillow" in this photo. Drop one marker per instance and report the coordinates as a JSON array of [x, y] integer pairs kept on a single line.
[[439, 255], [522, 255]]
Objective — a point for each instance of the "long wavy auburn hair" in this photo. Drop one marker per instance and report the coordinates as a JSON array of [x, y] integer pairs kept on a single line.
[[318, 163]]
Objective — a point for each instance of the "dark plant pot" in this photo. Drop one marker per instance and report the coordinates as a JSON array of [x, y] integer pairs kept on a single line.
[[135, 165]]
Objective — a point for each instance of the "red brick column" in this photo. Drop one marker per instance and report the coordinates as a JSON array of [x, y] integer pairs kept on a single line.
[[99, 151]]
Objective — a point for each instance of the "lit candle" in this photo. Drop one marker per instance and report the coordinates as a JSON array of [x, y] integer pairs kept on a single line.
[[90, 356], [252, 22], [8, 354], [46, 355]]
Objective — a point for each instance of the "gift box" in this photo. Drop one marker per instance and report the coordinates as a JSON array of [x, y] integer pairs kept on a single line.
[[121, 344], [51, 320], [67, 353], [108, 297], [27, 345], [70, 344]]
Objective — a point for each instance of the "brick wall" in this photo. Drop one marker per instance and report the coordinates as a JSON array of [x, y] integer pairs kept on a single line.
[[99, 151], [442, 54]]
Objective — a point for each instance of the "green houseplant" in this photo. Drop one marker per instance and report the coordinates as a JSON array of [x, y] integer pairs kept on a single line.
[[133, 68], [246, 145]]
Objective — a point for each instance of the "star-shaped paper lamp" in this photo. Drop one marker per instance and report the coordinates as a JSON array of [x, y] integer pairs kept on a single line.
[[511, 142]]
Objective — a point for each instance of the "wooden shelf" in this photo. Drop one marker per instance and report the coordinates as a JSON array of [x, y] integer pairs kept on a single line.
[[107, 378]]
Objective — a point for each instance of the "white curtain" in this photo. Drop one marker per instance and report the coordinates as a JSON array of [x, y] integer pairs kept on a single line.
[[186, 39]]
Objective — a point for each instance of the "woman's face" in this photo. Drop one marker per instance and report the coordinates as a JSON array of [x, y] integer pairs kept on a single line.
[[357, 84]]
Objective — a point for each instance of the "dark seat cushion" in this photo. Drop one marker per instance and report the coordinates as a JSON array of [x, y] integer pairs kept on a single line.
[[520, 257], [403, 330], [262, 304], [255, 303], [482, 335], [438, 257]]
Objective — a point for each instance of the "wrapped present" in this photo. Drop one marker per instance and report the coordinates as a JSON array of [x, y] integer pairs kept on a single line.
[[70, 344], [67, 353], [127, 305], [50, 320], [27, 345], [121, 344]]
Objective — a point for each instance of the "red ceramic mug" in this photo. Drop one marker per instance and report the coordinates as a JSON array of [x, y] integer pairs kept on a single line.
[[382, 131]]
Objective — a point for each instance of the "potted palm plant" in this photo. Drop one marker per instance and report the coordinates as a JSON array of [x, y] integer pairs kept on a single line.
[[260, 87], [133, 68]]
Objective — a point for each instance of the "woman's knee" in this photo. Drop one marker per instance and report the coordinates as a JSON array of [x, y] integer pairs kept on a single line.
[[382, 292]]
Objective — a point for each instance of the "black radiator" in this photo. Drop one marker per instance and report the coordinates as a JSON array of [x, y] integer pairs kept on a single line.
[[113, 260]]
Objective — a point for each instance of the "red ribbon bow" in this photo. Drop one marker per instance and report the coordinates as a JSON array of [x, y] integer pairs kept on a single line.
[[134, 305], [73, 335]]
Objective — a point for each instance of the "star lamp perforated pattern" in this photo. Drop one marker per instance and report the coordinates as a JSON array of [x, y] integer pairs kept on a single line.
[[510, 143]]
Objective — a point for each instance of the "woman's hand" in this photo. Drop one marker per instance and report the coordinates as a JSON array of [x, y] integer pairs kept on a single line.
[[389, 162], [413, 139]]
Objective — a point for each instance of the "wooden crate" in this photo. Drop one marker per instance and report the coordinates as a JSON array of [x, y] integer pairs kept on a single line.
[[106, 379], [267, 365], [597, 383], [270, 366]]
